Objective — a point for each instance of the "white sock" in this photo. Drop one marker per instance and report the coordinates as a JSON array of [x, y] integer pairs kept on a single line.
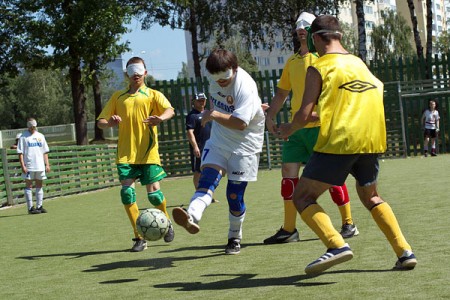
[[29, 198], [39, 197], [199, 202], [235, 230]]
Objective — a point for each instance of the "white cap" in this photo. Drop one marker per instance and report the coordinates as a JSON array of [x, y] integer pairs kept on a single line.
[[18, 135], [304, 20]]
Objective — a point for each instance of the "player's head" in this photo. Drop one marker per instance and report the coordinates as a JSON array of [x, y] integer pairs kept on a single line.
[[432, 104], [325, 29], [136, 70], [222, 66], [31, 124], [199, 101], [303, 24]]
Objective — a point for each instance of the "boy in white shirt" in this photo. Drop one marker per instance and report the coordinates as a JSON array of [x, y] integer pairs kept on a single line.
[[33, 156], [234, 146]]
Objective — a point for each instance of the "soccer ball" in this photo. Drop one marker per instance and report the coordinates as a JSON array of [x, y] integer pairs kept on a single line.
[[152, 224]]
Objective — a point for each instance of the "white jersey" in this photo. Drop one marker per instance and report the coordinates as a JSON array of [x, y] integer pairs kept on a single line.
[[241, 100], [431, 117], [33, 147]]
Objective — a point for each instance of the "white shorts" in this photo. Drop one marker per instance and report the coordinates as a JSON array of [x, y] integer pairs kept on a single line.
[[238, 167], [34, 175]]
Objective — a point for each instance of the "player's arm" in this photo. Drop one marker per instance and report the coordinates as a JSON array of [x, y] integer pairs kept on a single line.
[[305, 114], [155, 120], [275, 106], [193, 142], [226, 120], [46, 162], [22, 163], [112, 121]]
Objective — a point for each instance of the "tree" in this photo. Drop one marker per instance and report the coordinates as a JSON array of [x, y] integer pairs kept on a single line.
[[245, 58], [198, 17], [184, 71], [443, 42], [77, 31], [392, 37], [362, 49], [429, 46], [417, 40], [349, 38]]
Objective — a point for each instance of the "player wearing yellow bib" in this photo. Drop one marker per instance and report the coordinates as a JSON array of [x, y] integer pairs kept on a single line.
[[137, 111], [349, 102], [299, 147]]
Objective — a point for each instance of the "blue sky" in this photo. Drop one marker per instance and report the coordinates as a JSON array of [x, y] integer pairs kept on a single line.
[[162, 48]]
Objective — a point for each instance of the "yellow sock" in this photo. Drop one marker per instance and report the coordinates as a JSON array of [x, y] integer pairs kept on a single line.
[[346, 214], [290, 215], [315, 217], [386, 220], [133, 213], [162, 207]]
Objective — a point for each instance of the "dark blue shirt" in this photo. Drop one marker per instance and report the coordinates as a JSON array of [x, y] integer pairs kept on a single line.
[[194, 121]]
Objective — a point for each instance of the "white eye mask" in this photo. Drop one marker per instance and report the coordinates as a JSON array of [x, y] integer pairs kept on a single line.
[[222, 75], [135, 69], [31, 123]]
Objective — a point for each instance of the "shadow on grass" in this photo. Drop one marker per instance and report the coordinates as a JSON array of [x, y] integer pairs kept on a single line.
[[241, 281], [222, 247], [248, 281], [74, 254], [150, 264]]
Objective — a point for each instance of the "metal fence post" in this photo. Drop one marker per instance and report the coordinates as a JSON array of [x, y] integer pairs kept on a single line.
[[269, 162]]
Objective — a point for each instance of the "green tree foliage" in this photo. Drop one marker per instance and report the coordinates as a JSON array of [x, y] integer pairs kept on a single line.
[[443, 42], [184, 71], [198, 17], [75, 31], [245, 58], [350, 38], [392, 38]]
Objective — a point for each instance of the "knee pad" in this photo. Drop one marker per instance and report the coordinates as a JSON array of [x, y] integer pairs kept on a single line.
[[235, 195], [128, 195], [287, 187], [156, 197], [209, 179]]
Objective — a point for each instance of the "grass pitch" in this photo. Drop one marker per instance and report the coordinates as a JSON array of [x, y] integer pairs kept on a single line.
[[79, 250]]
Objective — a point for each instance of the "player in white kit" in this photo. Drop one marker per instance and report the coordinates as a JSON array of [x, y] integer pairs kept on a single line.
[[33, 156], [233, 148]]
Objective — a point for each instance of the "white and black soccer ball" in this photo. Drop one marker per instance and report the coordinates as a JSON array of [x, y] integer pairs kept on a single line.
[[152, 224]]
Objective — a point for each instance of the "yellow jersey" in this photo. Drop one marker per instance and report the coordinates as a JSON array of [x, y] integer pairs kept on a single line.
[[138, 142], [293, 78], [350, 107]]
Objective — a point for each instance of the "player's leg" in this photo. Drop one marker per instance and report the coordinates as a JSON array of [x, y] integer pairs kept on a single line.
[[433, 142], [40, 176], [127, 175], [381, 211], [322, 172], [236, 204], [242, 169], [151, 176], [426, 141], [214, 162], [339, 194], [28, 192], [287, 233], [295, 152]]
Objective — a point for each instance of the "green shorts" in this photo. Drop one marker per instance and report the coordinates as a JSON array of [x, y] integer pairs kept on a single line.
[[299, 147], [147, 174]]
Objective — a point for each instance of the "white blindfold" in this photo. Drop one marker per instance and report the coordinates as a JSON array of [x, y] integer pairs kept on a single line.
[[135, 69], [225, 75]]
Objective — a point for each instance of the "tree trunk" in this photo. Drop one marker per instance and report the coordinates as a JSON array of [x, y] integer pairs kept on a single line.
[[79, 103], [194, 41], [417, 40], [429, 74], [362, 51], [97, 100]]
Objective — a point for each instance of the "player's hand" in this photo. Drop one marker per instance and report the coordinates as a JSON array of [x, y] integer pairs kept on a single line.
[[437, 129], [47, 169], [206, 116], [197, 152], [265, 106], [271, 126], [153, 120], [24, 170], [114, 120], [285, 130], [314, 117]]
